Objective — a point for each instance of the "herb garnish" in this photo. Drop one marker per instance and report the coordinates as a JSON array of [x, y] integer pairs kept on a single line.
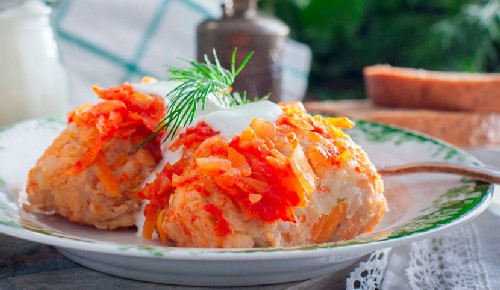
[[198, 81]]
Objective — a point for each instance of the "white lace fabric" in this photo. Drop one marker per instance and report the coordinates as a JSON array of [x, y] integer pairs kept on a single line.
[[448, 261], [370, 273]]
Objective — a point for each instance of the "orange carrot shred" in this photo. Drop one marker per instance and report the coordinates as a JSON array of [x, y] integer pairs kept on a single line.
[[148, 229], [106, 176], [159, 226], [239, 161]]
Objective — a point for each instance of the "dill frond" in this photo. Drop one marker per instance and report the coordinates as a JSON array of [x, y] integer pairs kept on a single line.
[[197, 82]]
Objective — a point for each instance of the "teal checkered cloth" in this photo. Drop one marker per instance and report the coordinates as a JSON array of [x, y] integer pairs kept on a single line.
[[113, 41]]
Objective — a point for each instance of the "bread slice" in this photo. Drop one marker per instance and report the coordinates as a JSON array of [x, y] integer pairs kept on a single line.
[[422, 89], [465, 129]]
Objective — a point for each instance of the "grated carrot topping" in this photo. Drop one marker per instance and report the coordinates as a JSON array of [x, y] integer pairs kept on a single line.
[[239, 161], [341, 122], [159, 227], [122, 113], [265, 170], [148, 229], [254, 198], [302, 168], [106, 176]]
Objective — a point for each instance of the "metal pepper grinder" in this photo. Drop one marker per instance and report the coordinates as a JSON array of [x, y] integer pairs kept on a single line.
[[243, 28]]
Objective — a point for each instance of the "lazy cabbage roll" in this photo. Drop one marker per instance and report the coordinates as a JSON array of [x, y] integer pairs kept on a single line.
[[93, 170], [284, 178]]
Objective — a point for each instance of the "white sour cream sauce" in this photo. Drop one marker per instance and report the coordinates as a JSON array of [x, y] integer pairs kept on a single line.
[[230, 122]]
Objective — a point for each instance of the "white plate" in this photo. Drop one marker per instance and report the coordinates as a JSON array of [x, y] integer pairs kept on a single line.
[[420, 206]]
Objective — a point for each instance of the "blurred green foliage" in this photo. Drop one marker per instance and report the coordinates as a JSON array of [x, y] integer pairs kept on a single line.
[[347, 35]]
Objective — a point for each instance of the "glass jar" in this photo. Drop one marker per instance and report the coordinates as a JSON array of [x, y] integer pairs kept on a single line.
[[32, 80]]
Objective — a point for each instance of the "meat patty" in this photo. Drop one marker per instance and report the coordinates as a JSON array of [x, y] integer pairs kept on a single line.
[[296, 181], [93, 170]]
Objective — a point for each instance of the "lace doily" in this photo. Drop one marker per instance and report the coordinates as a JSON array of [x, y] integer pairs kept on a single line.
[[369, 274], [450, 261]]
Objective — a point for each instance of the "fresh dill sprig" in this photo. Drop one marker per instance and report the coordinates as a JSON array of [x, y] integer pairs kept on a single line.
[[197, 82]]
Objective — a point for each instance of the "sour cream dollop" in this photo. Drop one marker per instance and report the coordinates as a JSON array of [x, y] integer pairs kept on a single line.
[[231, 122], [228, 121]]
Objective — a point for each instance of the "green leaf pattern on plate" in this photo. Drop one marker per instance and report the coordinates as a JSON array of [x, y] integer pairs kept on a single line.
[[8, 212], [31, 226], [52, 123], [5, 128], [153, 251], [449, 206], [378, 133]]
